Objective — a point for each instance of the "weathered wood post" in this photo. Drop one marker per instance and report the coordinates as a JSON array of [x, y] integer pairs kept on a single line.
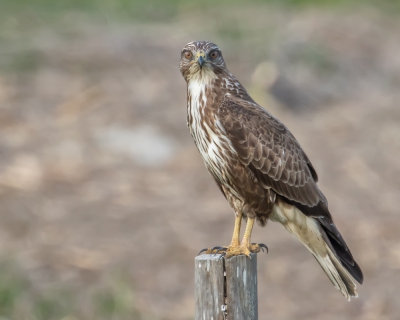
[[226, 289]]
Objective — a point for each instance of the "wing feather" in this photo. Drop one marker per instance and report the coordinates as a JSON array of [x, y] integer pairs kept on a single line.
[[270, 151], [276, 159]]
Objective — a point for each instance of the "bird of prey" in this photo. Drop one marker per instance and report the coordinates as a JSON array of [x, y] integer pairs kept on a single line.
[[259, 166]]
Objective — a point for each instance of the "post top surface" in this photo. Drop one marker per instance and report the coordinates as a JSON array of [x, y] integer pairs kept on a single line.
[[204, 257]]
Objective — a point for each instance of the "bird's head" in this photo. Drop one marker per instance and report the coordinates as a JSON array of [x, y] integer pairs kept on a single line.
[[202, 60]]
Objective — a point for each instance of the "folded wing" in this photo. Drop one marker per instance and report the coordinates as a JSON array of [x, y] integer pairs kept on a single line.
[[271, 152]]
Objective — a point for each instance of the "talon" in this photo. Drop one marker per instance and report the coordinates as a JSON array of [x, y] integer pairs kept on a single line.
[[221, 249], [230, 251], [215, 248], [262, 246], [202, 250]]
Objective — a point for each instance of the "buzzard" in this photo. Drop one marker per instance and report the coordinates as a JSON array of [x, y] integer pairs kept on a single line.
[[259, 166]]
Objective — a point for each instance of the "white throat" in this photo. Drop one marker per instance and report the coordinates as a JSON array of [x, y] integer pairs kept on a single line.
[[197, 92]]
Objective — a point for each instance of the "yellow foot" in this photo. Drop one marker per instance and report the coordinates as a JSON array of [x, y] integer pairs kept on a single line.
[[244, 249], [231, 251], [213, 250]]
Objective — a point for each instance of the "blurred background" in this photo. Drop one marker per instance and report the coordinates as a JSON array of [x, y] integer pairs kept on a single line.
[[104, 199]]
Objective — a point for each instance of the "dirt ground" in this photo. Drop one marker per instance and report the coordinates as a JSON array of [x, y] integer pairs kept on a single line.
[[98, 172]]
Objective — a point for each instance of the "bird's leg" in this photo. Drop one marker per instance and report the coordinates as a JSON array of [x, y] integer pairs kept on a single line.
[[252, 247], [235, 238], [247, 233], [236, 231], [235, 248], [245, 247]]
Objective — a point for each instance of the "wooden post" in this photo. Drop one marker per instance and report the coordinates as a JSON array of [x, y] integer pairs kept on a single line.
[[226, 289], [241, 287], [209, 287]]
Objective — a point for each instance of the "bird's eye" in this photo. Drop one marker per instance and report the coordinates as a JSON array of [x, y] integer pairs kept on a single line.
[[214, 54], [188, 54]]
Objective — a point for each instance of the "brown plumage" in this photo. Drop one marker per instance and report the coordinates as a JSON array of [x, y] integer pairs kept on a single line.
[[259, 166]]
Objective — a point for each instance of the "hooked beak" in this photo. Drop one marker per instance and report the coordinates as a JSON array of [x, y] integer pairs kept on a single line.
[[201, 59]]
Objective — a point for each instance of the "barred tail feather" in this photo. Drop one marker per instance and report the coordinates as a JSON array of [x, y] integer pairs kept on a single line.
[[310, 233], [337, 274]]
